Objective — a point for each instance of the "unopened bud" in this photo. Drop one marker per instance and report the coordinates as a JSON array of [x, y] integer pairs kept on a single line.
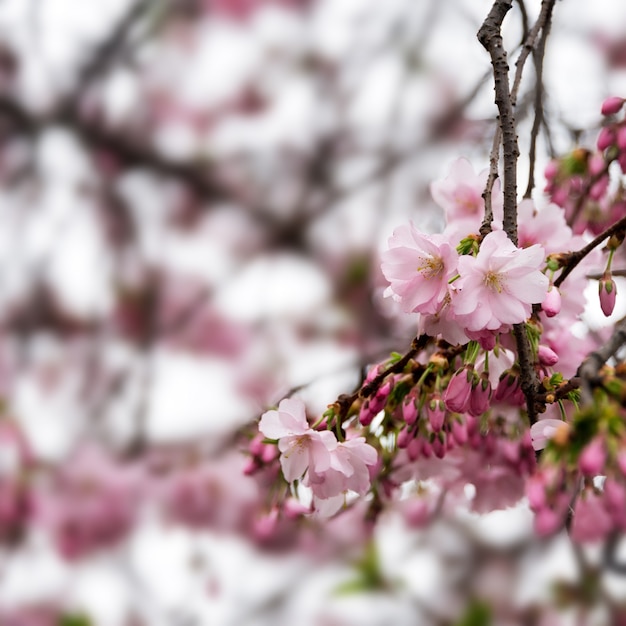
[[612, 105], [592, 458], [547, 356], [606, 138], [607, 291], [551, 304]]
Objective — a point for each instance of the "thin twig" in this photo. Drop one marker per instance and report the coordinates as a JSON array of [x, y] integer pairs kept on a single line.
[[574, 258]]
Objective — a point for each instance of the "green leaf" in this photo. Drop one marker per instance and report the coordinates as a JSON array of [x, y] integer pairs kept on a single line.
[[395, 357], [74, 620], [368, 576], [477, 614], [469, 245]]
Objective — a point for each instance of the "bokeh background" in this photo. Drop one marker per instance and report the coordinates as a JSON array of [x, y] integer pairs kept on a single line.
[[193, 196]]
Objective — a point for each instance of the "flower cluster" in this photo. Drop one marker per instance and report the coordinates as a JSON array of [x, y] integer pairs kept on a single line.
[[463, 407], [329, 467]]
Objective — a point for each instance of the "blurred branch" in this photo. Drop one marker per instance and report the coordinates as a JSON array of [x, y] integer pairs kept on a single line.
[[108, 49]]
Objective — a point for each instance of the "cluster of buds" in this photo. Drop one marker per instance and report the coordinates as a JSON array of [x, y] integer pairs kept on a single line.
[[592, 445], [579, 181]]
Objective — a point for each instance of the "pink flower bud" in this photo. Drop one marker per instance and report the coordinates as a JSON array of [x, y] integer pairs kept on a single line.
[[459, 432], [536, 492], [596, 164], [251, 467], [439, 448], [417, 512], [621, 138], [612, 105], [614, 496], [606, 138], [506, 389], [404, 438], [599, 188], [414, 449], [426, 449], [265, 527], [269, 453], [366, 415], [409, 410], [436, 413], [547, 522], [551, 304], [457, 393], [591, 521], [479, 397], [256, 445], [552, 169], [592, 458], [547, 356], [607, 290], [294, 509]]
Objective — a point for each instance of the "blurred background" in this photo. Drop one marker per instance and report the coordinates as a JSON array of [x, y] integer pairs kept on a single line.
[[193, 196]]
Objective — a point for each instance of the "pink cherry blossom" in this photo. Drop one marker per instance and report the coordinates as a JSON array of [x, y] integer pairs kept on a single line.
[[348, 470], [418, 266], [300, 445], [499, 285], [459, 194], [542, 431]]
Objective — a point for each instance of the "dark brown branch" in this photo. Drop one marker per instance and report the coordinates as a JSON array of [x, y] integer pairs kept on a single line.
[[538, 59], [574, 258], [104, 53], [344, 402], [490, 37], [589, 368]]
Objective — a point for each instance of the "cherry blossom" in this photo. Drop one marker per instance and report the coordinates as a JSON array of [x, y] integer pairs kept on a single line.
[[499, 285], [418, 266], [459, 194], [301, 447]]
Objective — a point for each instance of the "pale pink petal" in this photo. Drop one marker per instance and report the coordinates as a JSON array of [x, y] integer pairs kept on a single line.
[[294, 461]]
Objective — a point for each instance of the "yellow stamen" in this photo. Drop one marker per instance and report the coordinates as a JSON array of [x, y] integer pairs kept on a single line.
[[430, 267], [493, 281]]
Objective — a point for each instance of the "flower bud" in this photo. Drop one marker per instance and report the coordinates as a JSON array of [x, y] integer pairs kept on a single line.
[[547, 356], [621, 138], [551, 170], [417, 512], [436, 413], [415, 448], [294, 509], [612, 105], [480, 396], [592, 458], [621, 159], [459, 432], [366, 415], [607, 291], [404, 438], [409, 410], [547, 522], [551, 304], [457, 393], [606, 138], [438, 445]]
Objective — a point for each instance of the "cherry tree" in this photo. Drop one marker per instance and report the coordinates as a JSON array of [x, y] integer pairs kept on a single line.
[[312, 313]]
